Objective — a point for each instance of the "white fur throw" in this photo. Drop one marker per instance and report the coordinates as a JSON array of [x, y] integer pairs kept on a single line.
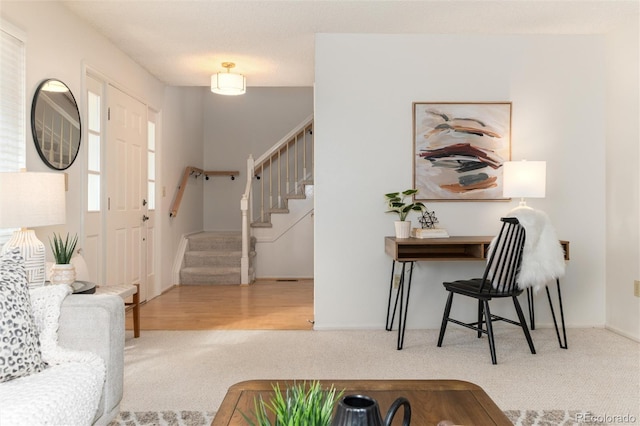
[[542, 257]]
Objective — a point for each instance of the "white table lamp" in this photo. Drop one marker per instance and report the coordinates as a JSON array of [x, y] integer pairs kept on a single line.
[[524, 179], [31, 199]]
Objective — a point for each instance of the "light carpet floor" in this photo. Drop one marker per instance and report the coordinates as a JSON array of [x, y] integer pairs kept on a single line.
[[191, 370]]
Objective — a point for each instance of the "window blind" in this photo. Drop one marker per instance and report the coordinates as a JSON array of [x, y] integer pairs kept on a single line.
[[12, 105]]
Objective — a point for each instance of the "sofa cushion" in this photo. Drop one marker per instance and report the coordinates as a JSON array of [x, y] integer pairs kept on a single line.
[[63, 394], [19, 341]]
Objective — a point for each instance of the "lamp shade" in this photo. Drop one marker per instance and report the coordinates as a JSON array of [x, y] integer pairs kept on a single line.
[[31, 199], [227, 83], [524, 179]]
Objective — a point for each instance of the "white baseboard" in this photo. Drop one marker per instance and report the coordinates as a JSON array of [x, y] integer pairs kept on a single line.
[[622, 333]]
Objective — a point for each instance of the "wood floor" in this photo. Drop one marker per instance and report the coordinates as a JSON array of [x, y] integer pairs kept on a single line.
[[263, 305]]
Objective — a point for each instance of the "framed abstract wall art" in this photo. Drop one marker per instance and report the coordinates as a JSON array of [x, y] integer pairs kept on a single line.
[[459, 149]]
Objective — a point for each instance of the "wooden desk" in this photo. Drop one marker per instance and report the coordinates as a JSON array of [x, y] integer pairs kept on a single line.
[[431, 401], [406, 251], [452, 248]]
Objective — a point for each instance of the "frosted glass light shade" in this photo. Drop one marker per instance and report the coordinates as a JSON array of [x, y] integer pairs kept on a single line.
[[524, 179], [30, 199], [226, 83]]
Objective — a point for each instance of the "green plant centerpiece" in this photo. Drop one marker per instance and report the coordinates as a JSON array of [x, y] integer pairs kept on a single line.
[[63, 249], [63, 271], [397, 204], [299, 405]]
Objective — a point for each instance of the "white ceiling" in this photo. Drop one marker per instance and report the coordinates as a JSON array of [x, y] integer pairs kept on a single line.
[[182, 42]]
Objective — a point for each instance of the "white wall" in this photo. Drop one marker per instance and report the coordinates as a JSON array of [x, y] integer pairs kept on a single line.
[[59, 45], [236, 126], [286, 249], [623, 209], [182, 123], [364, 149]]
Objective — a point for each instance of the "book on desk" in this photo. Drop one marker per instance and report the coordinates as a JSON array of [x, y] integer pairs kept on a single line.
[[429, 233]]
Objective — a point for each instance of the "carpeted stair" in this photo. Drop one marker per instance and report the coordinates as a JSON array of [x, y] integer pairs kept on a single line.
[[213, 258]]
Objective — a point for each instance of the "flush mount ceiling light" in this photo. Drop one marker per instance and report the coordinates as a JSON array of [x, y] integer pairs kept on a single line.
[[228, 83]]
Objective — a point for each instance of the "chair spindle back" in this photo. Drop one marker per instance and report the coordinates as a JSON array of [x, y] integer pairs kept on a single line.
[[501, 272]]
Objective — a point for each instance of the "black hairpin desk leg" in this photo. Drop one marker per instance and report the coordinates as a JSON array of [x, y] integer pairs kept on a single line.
[[562, 344], [562, 341], [401, 301]]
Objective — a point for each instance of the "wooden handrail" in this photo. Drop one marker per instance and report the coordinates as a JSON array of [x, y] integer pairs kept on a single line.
[[302, 127], [189, 171]]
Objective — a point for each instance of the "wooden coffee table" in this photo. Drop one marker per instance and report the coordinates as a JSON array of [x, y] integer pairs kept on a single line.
[[432, 401]]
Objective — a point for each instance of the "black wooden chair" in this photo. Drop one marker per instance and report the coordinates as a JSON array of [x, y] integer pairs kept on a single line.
[[498, 281]]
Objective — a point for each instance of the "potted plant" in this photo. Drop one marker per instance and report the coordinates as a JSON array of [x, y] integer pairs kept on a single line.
[[63, 271], [397, 204], [299, 405]]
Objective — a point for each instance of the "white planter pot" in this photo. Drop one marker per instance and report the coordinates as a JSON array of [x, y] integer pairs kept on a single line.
[[63, 274], [403, 228]]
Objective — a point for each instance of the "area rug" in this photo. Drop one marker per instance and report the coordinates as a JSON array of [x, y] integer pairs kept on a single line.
[[163, 418], [199, 418]]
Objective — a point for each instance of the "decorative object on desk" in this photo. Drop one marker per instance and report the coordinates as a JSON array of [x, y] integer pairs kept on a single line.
[[429, 233], [396, 203], [63, 271], [300, 405], [31, 199], [524, 179], [362, 410], [459, 149], [428, 219]]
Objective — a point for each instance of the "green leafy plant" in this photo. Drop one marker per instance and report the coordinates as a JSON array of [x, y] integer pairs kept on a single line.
[[396, 203], [299, 405], [63, 249]]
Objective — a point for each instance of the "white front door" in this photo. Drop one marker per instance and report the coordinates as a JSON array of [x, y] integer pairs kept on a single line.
[[126, 189]]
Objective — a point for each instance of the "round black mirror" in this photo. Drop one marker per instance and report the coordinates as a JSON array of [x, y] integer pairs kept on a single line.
[[55, 123]]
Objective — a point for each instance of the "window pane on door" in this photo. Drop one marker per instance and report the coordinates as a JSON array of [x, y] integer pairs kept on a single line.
[[93, 193], [94, 153], [152, 195]]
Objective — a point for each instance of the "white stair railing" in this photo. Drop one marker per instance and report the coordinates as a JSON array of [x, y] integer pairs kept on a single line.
[[246, 219], [280, 174]]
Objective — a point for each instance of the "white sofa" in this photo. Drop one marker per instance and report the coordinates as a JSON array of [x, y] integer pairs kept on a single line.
[[95, 323], [82, 384]]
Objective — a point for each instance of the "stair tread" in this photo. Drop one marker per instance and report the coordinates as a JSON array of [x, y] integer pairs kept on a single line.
[[226, 253], [210, 269], [261, 225]]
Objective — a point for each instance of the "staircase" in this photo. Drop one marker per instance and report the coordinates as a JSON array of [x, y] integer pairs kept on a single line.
[[214, 258], [282, 174], [279, 184]]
